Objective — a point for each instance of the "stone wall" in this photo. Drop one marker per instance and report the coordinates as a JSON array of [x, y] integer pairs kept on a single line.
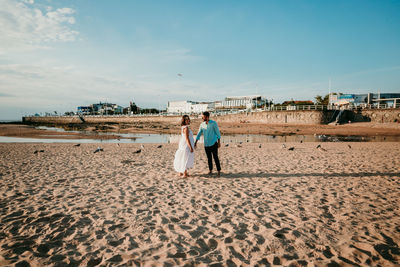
[[279, 117], [267, 117], [272, 117], [100, 119], [376, 115]]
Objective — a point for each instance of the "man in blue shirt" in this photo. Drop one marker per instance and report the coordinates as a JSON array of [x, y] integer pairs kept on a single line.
[[212, 137]]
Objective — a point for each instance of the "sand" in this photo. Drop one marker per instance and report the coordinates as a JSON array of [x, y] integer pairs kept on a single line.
[[226, 128], [30, 131], [335, 206]]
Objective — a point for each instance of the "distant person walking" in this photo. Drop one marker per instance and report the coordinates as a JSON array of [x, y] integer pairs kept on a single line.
[[184, 156], [212, 137]]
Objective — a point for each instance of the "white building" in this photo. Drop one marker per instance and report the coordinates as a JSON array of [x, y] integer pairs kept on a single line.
[[240, 102], [189, 107]]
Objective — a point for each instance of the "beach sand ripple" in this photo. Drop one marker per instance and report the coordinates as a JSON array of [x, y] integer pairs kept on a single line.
[[307, 207]]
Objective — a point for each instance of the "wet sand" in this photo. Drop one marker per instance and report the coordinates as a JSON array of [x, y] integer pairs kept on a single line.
[[332, 206], [92, 131], [27, 131]]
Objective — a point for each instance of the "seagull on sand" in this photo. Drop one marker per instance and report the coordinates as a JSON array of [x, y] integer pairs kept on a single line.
[[98, 150], [141, 146]]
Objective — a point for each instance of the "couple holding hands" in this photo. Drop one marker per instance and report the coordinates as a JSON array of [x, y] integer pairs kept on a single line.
[[184, 156]]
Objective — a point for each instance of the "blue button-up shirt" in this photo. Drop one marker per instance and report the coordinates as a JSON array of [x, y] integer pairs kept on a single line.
[[210, 131]]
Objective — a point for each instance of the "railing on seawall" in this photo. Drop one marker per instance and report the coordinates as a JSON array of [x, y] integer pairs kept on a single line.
[[297, 107], [364, 106]]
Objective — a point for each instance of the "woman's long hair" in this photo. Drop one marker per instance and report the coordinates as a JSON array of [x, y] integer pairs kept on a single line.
[[183, 120]]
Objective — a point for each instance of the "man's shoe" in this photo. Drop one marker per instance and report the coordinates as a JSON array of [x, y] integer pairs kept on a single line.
[[219, 174]]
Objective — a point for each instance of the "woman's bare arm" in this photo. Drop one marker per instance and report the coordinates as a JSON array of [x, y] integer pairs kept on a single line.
[[186, 132]]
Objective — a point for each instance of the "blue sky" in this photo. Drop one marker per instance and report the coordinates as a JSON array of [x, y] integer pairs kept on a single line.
[[56, 55]]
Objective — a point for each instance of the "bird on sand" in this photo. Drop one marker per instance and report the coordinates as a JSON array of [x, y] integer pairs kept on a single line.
[[283, 146], [259, 146], [318, 146], [160, 146], [141, 146], [291, 148], [77, 145], [226, 145], [98, 150], [138, 151]]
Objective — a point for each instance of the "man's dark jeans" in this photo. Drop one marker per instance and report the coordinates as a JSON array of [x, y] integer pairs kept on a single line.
[[212, 151]]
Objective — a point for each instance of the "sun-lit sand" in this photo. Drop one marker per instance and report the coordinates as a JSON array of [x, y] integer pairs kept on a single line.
[[360, 128], [333, 206]]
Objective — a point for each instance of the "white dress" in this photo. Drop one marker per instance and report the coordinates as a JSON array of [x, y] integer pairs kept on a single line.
[[184, 159]]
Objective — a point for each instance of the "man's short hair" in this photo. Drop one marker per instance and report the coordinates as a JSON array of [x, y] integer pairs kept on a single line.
[[206, 113]]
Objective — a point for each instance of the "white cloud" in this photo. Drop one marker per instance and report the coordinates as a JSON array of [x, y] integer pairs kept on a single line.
[[43, 88], [24, 26], [41, 85]]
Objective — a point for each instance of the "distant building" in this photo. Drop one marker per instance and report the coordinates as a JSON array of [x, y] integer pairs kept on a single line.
[[391, 100], [202, 106], [100, 109], [179, 106], [118, 109], [189, 107], [85, 110], [240, 102]]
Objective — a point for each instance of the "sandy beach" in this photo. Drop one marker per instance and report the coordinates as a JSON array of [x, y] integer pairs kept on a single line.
[[92, 131], [334, 206]]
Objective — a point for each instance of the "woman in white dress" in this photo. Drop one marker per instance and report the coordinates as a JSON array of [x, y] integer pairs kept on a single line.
[[184, 156]]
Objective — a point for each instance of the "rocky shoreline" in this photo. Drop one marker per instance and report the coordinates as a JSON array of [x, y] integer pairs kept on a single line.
[[94, 130]]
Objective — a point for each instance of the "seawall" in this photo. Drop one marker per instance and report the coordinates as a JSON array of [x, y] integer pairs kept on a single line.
[[279, 117], [272, 117], [99, 119], [267, 117], [375, 115]]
